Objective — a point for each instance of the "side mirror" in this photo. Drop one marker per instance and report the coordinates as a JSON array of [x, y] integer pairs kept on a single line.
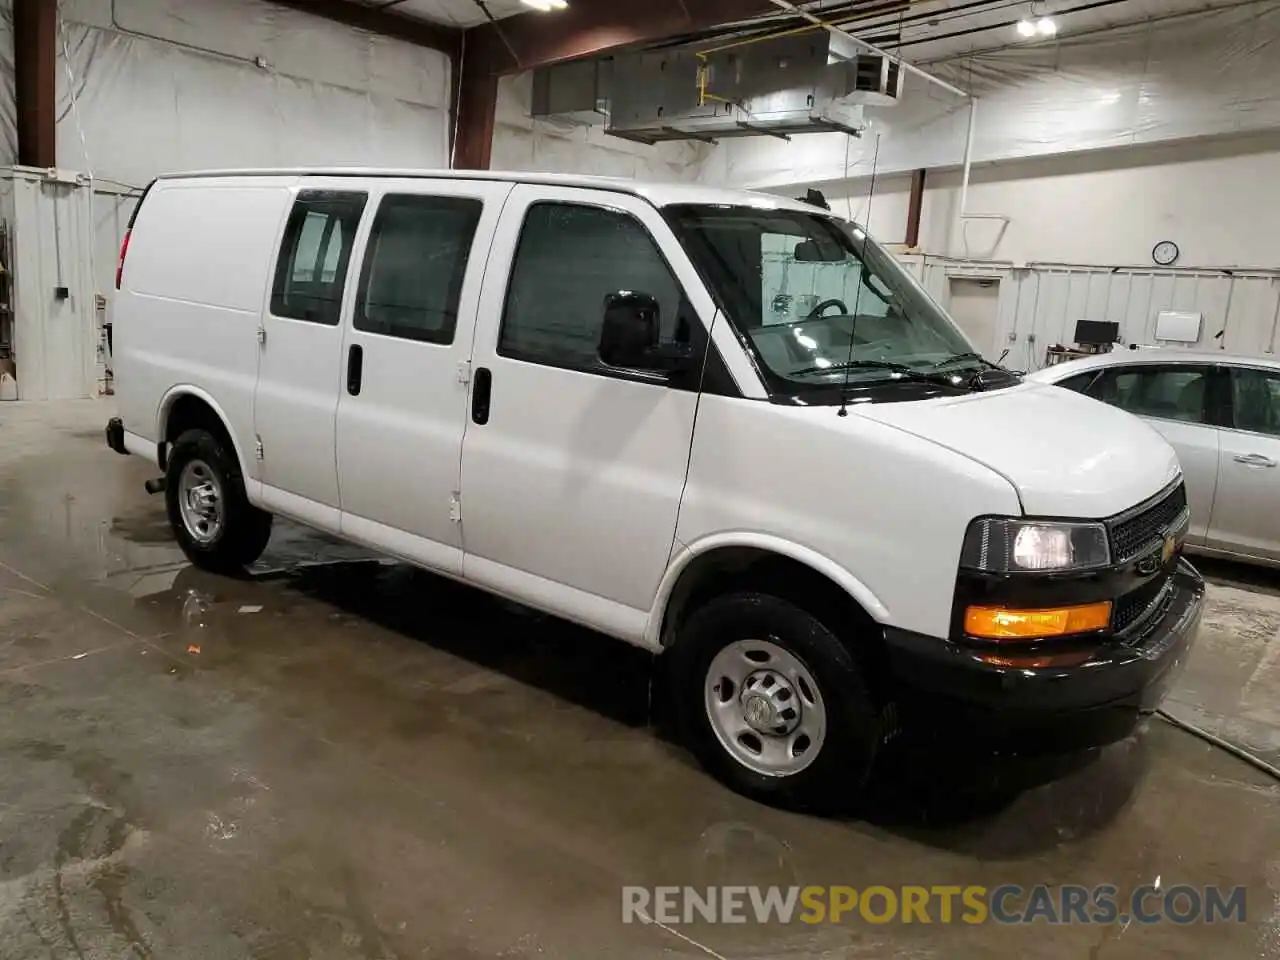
[[630, 335]]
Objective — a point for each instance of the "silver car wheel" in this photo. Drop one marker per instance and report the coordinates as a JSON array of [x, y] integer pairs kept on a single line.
[[200, 502], [765, 708]]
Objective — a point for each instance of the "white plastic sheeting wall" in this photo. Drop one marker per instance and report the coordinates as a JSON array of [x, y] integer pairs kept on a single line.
[[190, 94], [164, 85], [523, 143], [1200, 75], [1106, 207], [1040, 304]]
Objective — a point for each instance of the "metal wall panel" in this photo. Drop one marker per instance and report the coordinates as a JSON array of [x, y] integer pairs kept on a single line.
[[1040, 304], [55, 331]]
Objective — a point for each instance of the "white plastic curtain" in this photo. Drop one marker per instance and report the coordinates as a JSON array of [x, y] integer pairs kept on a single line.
[[185, 84], [1201, 75]]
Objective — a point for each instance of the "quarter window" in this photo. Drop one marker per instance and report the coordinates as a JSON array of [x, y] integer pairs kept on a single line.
[[570, 257], [413, 271], [1079, 383], [312, 271], [1166, 393], [1255, 401]]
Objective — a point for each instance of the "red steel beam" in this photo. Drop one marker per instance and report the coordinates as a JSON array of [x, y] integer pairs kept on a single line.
[[35, 58], [475, 99], [915, 207]]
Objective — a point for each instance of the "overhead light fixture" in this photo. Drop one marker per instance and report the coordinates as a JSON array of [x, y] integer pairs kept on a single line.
[[546, 6], [1046, 27], [1026, 28]]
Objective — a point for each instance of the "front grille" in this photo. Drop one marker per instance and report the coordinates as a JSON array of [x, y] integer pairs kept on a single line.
[[1132, 535], [1146, 619], [1133, 606]]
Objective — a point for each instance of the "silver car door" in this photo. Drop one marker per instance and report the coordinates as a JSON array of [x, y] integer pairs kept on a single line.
[[1246, 514]]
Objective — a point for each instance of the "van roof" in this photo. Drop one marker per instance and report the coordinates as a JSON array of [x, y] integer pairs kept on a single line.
[[657, 193]]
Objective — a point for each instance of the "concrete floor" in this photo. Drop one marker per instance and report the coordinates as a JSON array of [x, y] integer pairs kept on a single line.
[[342, 758]]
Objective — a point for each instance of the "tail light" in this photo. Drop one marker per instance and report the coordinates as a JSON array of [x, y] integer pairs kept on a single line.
[[124, 249]]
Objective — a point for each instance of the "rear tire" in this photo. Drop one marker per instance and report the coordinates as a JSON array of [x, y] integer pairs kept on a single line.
[[812, 741], [209, 511]]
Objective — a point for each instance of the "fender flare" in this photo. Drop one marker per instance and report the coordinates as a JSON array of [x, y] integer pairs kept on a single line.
[[685, 554], [176, 393]]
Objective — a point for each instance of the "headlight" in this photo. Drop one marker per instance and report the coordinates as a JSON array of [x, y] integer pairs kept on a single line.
[[1009, 545]]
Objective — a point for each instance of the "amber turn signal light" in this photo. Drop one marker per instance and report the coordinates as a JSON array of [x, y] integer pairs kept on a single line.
[[1001, 623]]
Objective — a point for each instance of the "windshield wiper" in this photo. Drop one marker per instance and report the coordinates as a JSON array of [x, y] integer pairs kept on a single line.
[[986, 376], [957, 358], [909, 373]]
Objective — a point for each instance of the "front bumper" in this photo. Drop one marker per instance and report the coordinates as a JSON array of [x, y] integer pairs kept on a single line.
[[951, 691]]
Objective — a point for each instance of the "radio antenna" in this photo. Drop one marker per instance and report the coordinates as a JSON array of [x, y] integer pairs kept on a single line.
[[862, 256]]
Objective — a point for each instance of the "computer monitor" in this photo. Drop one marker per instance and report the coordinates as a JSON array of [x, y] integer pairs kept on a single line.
[[1094, 333]]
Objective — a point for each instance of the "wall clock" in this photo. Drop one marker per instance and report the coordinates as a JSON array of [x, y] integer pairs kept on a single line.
[[1166, 253]]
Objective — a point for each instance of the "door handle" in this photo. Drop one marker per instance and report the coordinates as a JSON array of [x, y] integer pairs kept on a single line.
[[481, 395], [1255, 460], [355, 369]]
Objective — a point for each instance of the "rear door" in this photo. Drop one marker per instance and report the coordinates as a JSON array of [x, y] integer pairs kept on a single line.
[[300, 368], [1179, 401], [408, 345], [1246, 514]]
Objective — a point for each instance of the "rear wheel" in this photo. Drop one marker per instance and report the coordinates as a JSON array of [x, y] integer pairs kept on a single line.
[[773, 703], [212, 519]]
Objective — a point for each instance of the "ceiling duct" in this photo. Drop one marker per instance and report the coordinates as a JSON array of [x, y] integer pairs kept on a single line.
[[776, 87], [812, 83], [575, 92]]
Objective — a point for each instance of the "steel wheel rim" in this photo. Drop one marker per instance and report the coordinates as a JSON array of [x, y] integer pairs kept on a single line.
[[200, 501], [765, 707]]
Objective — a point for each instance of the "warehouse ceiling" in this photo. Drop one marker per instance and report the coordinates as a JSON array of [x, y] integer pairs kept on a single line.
[[930, 30], [452, 13], [923, 31]]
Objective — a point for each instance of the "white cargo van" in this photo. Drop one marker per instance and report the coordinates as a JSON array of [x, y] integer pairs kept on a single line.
[[718, 424]]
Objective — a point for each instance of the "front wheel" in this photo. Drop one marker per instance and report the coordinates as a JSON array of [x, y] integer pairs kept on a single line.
[[773, 703], [212, 519]]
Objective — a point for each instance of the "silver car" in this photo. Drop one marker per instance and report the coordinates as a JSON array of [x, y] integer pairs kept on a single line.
[[1222, 415]]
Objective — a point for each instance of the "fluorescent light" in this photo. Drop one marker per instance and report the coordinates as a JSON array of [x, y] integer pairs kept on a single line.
[[1025, 27], [1046, 27], [546, 6]]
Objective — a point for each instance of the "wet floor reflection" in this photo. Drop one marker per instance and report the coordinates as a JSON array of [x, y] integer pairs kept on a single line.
[[932, 797]]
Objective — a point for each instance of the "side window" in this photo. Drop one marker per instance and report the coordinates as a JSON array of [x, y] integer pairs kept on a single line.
[[1166, 393], [1080, 382], [312, 271], [570, 257], [1255, 401], [414, 267]]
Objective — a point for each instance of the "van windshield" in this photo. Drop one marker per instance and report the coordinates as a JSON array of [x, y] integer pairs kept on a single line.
[[821, 304]]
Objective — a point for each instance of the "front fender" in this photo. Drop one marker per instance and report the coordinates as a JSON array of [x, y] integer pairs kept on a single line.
[[687, 553]]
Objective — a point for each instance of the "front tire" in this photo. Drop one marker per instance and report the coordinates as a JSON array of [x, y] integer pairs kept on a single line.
[[773, 704], [209, 511]]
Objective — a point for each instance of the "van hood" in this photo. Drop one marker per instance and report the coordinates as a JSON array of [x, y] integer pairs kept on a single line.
[[1067, 455]]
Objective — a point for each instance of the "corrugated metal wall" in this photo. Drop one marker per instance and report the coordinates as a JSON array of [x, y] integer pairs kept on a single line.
[[1040, 304], [55, 331]]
